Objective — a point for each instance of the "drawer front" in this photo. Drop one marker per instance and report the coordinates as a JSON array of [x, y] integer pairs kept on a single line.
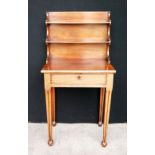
[[76, 80]]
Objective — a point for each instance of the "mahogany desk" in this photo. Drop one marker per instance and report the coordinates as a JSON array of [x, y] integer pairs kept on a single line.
[[78, 56]]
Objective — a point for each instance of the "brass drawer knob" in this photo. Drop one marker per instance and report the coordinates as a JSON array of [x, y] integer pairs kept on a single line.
[[79, 77]]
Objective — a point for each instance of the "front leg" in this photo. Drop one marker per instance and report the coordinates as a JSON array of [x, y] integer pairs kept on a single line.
[[53, 106], [48, 107], [107, 108], [106, 117]]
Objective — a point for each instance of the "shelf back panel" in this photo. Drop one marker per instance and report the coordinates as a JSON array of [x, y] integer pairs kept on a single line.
[[77, 33], [78, 51]]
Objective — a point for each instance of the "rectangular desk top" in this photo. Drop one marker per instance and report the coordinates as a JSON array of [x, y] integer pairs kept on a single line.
[[77, 66]]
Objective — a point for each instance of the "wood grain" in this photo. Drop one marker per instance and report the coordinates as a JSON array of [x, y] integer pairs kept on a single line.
[[77, 66], [101, 106], [62, 33], [78, 17], [48, 107], [108, 95], [53, 106], [78, 56], [77, 51], [78, 79]]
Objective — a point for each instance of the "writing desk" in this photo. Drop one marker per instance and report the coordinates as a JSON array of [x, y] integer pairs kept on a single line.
[[78, 56]]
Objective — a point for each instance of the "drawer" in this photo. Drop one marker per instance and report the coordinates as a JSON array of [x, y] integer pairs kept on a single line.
[[78, 80]]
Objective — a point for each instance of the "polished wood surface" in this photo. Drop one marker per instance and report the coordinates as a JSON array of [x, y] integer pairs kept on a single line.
[[53, 105], [78, 55], [48, 108], [77, 17], [101, 106], [78, 51], [108, 94], [65, 33], [78, 66], [78, 80]]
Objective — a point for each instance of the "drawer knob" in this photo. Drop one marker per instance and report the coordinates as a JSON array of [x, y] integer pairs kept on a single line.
[[79, 77]]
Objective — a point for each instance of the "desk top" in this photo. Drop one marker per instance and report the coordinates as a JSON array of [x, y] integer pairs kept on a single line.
[[77, 66]]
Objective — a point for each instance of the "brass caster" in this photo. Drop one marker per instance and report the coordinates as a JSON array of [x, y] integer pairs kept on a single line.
[[99, 124], [50, 142], [54, 123], [104, 144]]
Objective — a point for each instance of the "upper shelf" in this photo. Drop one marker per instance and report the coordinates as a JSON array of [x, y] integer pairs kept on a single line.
[[98, 17], [78, 41], [51, 22]]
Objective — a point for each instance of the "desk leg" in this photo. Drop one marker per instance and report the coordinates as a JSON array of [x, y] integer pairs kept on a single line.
[[102, 90], [49, 116], [107, 108], [53, 106]]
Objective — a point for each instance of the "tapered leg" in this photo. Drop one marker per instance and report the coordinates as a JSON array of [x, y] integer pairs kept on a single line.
[[49, 116], [101, 106], [53, 106], [106, 117]]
